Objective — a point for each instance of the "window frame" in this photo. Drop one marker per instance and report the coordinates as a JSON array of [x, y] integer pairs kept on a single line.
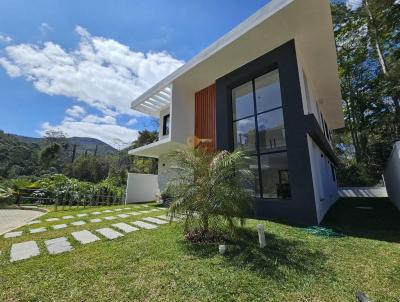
[[255, 115], [165, 129]]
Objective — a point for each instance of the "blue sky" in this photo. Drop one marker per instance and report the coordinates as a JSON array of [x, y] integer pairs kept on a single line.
[[56, 55], [75, 65]]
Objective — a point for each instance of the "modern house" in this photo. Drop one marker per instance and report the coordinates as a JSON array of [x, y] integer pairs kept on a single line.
[[269, 87]]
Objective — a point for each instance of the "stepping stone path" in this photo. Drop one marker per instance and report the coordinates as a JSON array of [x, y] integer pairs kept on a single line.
[[59, 226], [144, 225], [127, 208], [68, 217], [107, 211], [37, 230], [134, 213], [12, 234], [145, 211], [96, 213], [82, 215], [110, 218], [24, 250], [58, 245], [85, 236], [125, 227], [52, 219], [77, 223], [118, 210], [155, 220], [109, 233], [95, 220], [123, 215]]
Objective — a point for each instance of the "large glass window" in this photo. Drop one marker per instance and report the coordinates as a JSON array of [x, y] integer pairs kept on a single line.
[[259, 131]]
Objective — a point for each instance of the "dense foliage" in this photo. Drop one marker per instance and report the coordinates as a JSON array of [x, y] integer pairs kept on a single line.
[[367, 42], [210, 190]]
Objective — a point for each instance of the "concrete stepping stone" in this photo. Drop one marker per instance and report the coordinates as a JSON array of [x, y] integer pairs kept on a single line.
[[68, 217], [95, 220], [155, 220], [96, 213], [127, 208], [155, 210], [168, 218], [82, 215], [12, 234], [85, 236], [110, 218], [37, 230], [77, 223], [58, 245], [59, 226], [118, 210], [123, 215], [109, 233], [144, 225], [24, 250], [33, 222], [125, 227], [107, 211], [52, 219], [145, 211], [134, 213]]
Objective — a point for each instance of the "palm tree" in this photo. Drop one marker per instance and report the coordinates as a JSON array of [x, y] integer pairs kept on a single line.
[[210, 189]]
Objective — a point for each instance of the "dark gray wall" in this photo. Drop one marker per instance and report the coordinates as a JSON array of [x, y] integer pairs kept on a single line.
[[301, 208]]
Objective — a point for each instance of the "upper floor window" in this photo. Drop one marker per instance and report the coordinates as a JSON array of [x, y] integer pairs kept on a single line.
[[166, 124]]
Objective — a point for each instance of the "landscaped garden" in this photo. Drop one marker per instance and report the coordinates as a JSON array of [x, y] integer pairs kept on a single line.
[[159, 265]]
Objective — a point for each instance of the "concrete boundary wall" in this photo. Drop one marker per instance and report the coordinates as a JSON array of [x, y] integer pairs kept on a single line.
[[141, 187], [392, 175], [363, 192]]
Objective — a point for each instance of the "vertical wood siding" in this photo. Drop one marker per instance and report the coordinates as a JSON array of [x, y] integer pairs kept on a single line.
[[205, 117]]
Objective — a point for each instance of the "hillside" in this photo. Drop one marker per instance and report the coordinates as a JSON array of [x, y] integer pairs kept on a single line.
[[82, 143]]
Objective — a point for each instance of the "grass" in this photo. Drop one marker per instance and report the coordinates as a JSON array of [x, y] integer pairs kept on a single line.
[[157, 265]]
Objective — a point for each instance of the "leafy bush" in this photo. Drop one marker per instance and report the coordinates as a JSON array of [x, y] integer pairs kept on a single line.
[[209, 190]]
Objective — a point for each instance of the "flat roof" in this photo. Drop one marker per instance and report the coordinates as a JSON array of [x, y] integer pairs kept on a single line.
[[308, 22]]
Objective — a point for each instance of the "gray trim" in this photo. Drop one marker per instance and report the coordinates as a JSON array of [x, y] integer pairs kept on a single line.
[[301, 208]]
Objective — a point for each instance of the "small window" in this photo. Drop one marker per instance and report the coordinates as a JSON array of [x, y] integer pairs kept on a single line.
[[166, 122], [333, 173]]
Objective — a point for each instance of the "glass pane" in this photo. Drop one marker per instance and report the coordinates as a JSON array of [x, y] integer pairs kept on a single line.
[[275, 176], [268, 91], [271, 131], [252, 185], [243, 103], [244, 132]]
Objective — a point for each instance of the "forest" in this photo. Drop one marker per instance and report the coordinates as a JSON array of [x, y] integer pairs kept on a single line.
[[367, 40]]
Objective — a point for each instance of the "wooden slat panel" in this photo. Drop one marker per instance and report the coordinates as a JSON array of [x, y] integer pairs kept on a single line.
[[205, 117]]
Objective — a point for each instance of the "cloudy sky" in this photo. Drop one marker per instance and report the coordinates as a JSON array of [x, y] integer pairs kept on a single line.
[[76, 65]]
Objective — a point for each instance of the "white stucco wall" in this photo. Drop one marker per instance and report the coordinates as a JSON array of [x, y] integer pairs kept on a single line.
[[165, 173], [392, 175], [141, 187], [325, 187]]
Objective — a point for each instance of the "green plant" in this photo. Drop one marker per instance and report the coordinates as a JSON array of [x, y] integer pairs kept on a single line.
[[209, 190]]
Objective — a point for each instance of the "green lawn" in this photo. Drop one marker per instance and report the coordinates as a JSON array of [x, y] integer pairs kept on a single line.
[[157, 265]]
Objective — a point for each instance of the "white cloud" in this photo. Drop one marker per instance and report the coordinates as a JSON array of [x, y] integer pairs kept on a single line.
[[114, 135], [45, 29], [75, 111], [5, 39], [131, 122], [100, 120], [353, 4], [103, 73]]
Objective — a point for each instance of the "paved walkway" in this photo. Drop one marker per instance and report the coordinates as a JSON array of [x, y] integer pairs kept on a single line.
[[11, 219]]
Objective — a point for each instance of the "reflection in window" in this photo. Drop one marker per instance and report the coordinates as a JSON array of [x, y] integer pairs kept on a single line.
[[243, 103], [275, 175], [259, 130]]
